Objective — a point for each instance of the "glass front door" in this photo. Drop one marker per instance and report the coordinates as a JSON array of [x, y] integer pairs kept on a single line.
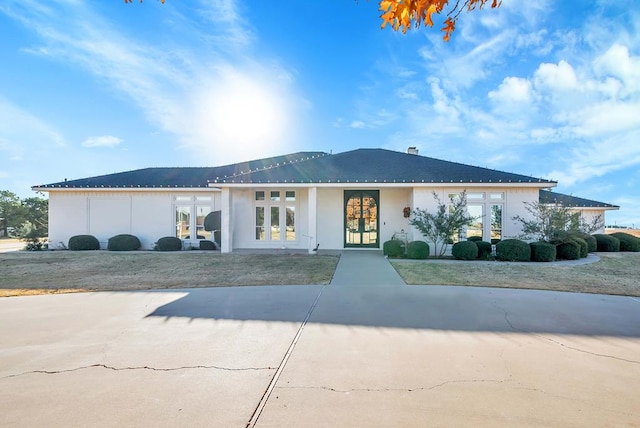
[[361, 218]]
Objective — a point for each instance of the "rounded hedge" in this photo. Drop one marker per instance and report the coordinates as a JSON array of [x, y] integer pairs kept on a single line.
[[393, 248], [484, 249], [542, 252], [627, 242], [569, 250], [513, 250], [474, 238], [208, 245], [464, 250], [169, 243], [584, 247], [123, 242], [607, 243], [592, 244], [83, 243], [494, 241], [417, 250]]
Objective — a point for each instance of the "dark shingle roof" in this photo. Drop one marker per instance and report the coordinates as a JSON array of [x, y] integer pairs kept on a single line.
[[378, 166], [179, 177], [356, 166], [547, 197]]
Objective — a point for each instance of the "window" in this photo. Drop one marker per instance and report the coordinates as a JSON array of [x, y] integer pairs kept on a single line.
[[183, 222], [476, 228], [190, 214], [496, 221], [475, 196], [281, 211], [260, 224], [201, 213]]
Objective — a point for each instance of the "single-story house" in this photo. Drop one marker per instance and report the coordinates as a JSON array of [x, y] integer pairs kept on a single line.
[[354, 199]]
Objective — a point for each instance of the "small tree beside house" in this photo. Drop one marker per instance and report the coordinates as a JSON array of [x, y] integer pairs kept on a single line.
[[447, 220]]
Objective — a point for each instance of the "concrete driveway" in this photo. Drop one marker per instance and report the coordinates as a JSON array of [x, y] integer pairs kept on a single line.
[[365, 351]]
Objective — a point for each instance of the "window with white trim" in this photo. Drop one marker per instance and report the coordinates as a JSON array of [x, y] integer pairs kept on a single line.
[[275, 215], [190, 213]]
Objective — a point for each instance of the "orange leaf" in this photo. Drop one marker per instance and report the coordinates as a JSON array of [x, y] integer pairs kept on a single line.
[[449, 27]]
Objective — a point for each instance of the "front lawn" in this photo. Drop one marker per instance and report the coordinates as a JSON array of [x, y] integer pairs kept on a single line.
[[615, 273]]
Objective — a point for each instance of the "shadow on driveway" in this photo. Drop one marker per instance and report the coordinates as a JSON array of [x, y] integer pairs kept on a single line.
[[418, 307]]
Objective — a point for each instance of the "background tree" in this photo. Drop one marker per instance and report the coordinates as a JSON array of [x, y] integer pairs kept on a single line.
[[447, 220], [23, 217], [11, 211], [404, 14], [36, 212], [547, 220]]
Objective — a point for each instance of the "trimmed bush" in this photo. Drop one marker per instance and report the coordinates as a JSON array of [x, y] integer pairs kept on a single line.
[[417, 250], [607, 243], [627, 242], [484, 250], [83, 243], [584, 247], [123, 242], [475, 238], [393, 248], [513, 250], [208, 245], [169, 243], [464, 250], [592, 244], [494, 241], [569, 250], [542, 252]]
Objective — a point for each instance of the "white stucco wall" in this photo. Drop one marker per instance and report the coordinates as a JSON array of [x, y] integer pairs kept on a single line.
[[147, 215], [513, 204]]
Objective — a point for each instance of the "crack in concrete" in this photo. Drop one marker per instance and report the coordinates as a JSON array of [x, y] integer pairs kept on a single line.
[[591, 403], [557, 342], [430, 388], [156, 369]]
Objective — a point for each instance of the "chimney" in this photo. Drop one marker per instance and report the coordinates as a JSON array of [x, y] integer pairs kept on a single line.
[[412, 150]]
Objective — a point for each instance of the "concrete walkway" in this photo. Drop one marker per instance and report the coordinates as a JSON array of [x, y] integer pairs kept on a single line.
[[366, 350]]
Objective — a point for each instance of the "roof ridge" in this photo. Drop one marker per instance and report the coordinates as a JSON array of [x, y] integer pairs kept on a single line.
[[277, 165]]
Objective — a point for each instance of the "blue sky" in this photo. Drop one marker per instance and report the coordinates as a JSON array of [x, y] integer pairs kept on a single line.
[[544, 88]]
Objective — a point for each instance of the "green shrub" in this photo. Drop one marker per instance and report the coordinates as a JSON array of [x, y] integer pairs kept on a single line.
[[569, 250], [584, 247], [475, 238], [208, 245], [542, 252], [513, 250], [592, 244], [464, 250], [627, 242], [169, 243], [494, 241], [83, 243], [417, 250], [393, 248], [607, 243], [484, 250], [123, 242]]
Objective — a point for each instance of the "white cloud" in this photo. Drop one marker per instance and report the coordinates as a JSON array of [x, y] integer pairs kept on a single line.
[[357, 124], [560, 77], [617, 62], [512, 90], [102, 141]]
